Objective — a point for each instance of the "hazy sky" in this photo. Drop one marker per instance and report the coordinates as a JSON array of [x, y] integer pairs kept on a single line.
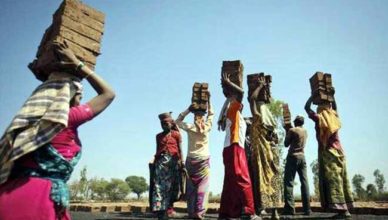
[[153, 52]]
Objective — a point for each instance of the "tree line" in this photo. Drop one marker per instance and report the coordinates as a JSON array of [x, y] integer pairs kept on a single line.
[[372, 191], [99, 189]]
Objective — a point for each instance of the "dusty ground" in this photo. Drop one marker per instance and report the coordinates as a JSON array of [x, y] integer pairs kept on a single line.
[[217, 205], [139, 210]]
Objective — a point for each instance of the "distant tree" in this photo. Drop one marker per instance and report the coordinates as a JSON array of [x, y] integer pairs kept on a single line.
[[83, 183], [357, 181], [74, 189], [98, 188], [371, 191], [315, 169], [138, 184], [379, 180], [117, 189], [276, 108]]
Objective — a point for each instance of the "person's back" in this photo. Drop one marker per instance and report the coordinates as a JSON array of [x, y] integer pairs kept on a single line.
[[297, 140], [296, 163]]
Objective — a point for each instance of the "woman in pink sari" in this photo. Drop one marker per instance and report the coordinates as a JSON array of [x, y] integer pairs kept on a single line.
[[36, 185]]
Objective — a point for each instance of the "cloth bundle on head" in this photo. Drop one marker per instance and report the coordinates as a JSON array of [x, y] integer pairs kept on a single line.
[[329, 122], [165, 116], [43, 115]]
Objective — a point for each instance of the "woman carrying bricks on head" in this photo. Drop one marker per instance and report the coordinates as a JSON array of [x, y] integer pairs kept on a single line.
[[197, 160], [334, 187], [167, 167], [41, 146], [236, 197], [263, 165]]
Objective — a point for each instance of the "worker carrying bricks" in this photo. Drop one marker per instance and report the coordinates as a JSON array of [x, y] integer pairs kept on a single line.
[[296, 163], [334, 187], [236, 198], [198, 156], [264, 168], [42, 141]]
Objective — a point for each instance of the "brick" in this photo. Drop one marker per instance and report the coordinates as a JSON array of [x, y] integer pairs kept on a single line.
[[235, 69], [200, 97], [253, 83], [138, 209], [91, 12], [321, 88], [79, 39], [286, 114], [315, 79], [80, 26], [108, 208], [74, 12]]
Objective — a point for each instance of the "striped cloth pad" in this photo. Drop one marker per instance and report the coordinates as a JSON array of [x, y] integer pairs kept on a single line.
[[43, 115]]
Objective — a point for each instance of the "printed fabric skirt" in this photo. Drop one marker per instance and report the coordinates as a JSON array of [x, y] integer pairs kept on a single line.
[[263, 168], [166, 183], [197, 194], [334, 187]]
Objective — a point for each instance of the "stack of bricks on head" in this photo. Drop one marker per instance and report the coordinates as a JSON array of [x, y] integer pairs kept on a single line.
[[253, 83], [77, 24], [322, 88], [235, 71], [200, 97]]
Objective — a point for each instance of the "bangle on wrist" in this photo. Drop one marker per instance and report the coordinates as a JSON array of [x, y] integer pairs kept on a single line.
[[79, 66]]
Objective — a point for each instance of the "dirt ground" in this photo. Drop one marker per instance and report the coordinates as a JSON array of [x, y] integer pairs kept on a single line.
[[217, 205]]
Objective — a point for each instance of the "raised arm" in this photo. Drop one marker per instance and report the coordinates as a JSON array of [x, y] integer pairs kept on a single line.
[[252, 99], [209, 107], [287, 139], [69, 62], [307, 106], [105, 92], [221, 118], [182, 116], [210, 115], [253, 106], [179, 121], [233, 86], [256, 92], [334, 104]]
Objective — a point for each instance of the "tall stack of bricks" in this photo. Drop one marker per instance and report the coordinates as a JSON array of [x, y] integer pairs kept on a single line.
[[322, 88], [80, 26], [253, 83], [286, 116], [200, 97], [235, 71]]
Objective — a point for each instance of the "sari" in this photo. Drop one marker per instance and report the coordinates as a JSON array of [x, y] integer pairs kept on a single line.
[[197, 186]]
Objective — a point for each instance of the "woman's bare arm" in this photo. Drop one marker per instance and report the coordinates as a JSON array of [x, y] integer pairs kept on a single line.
[[105, 92]]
